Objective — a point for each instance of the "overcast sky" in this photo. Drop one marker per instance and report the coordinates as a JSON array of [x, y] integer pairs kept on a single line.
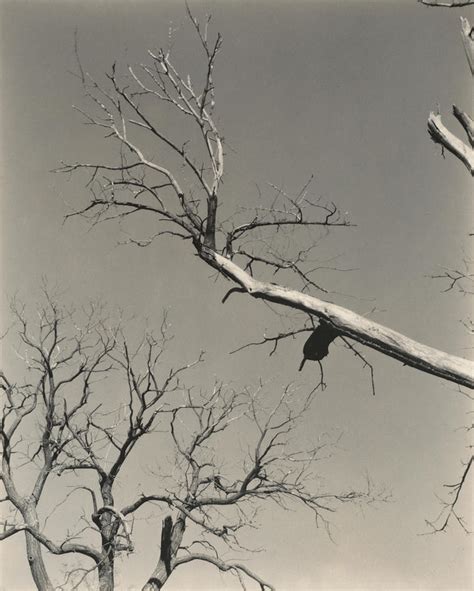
[[338, 89]]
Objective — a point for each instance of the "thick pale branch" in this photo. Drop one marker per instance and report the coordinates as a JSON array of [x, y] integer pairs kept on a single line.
[[466, 121], [440, 134], [350, 324]]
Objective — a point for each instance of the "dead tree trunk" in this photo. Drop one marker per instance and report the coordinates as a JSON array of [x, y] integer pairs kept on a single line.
[[171, 536]]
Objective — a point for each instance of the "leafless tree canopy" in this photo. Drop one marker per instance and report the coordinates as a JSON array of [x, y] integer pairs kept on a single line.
[[91, 395]]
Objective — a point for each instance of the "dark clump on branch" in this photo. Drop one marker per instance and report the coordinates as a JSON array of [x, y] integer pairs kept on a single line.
[[317, 346]]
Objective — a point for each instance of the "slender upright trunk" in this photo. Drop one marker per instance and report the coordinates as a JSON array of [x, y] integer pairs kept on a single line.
[[105, 524], [34, 552], [37, 567]]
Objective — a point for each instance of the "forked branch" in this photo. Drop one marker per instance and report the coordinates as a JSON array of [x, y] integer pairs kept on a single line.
[[440, 134], [449, 510]]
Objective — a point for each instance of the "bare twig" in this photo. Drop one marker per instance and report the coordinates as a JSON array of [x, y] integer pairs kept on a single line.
[[448, 512]]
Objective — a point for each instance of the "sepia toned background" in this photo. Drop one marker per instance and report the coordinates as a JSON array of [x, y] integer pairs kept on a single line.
[[338, 89]]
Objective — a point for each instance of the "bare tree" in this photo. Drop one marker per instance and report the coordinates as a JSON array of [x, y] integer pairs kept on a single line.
[[55, 362], [182, 190], [89, 400]]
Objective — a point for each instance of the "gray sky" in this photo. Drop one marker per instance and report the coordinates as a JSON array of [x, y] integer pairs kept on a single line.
[[339, 89]]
